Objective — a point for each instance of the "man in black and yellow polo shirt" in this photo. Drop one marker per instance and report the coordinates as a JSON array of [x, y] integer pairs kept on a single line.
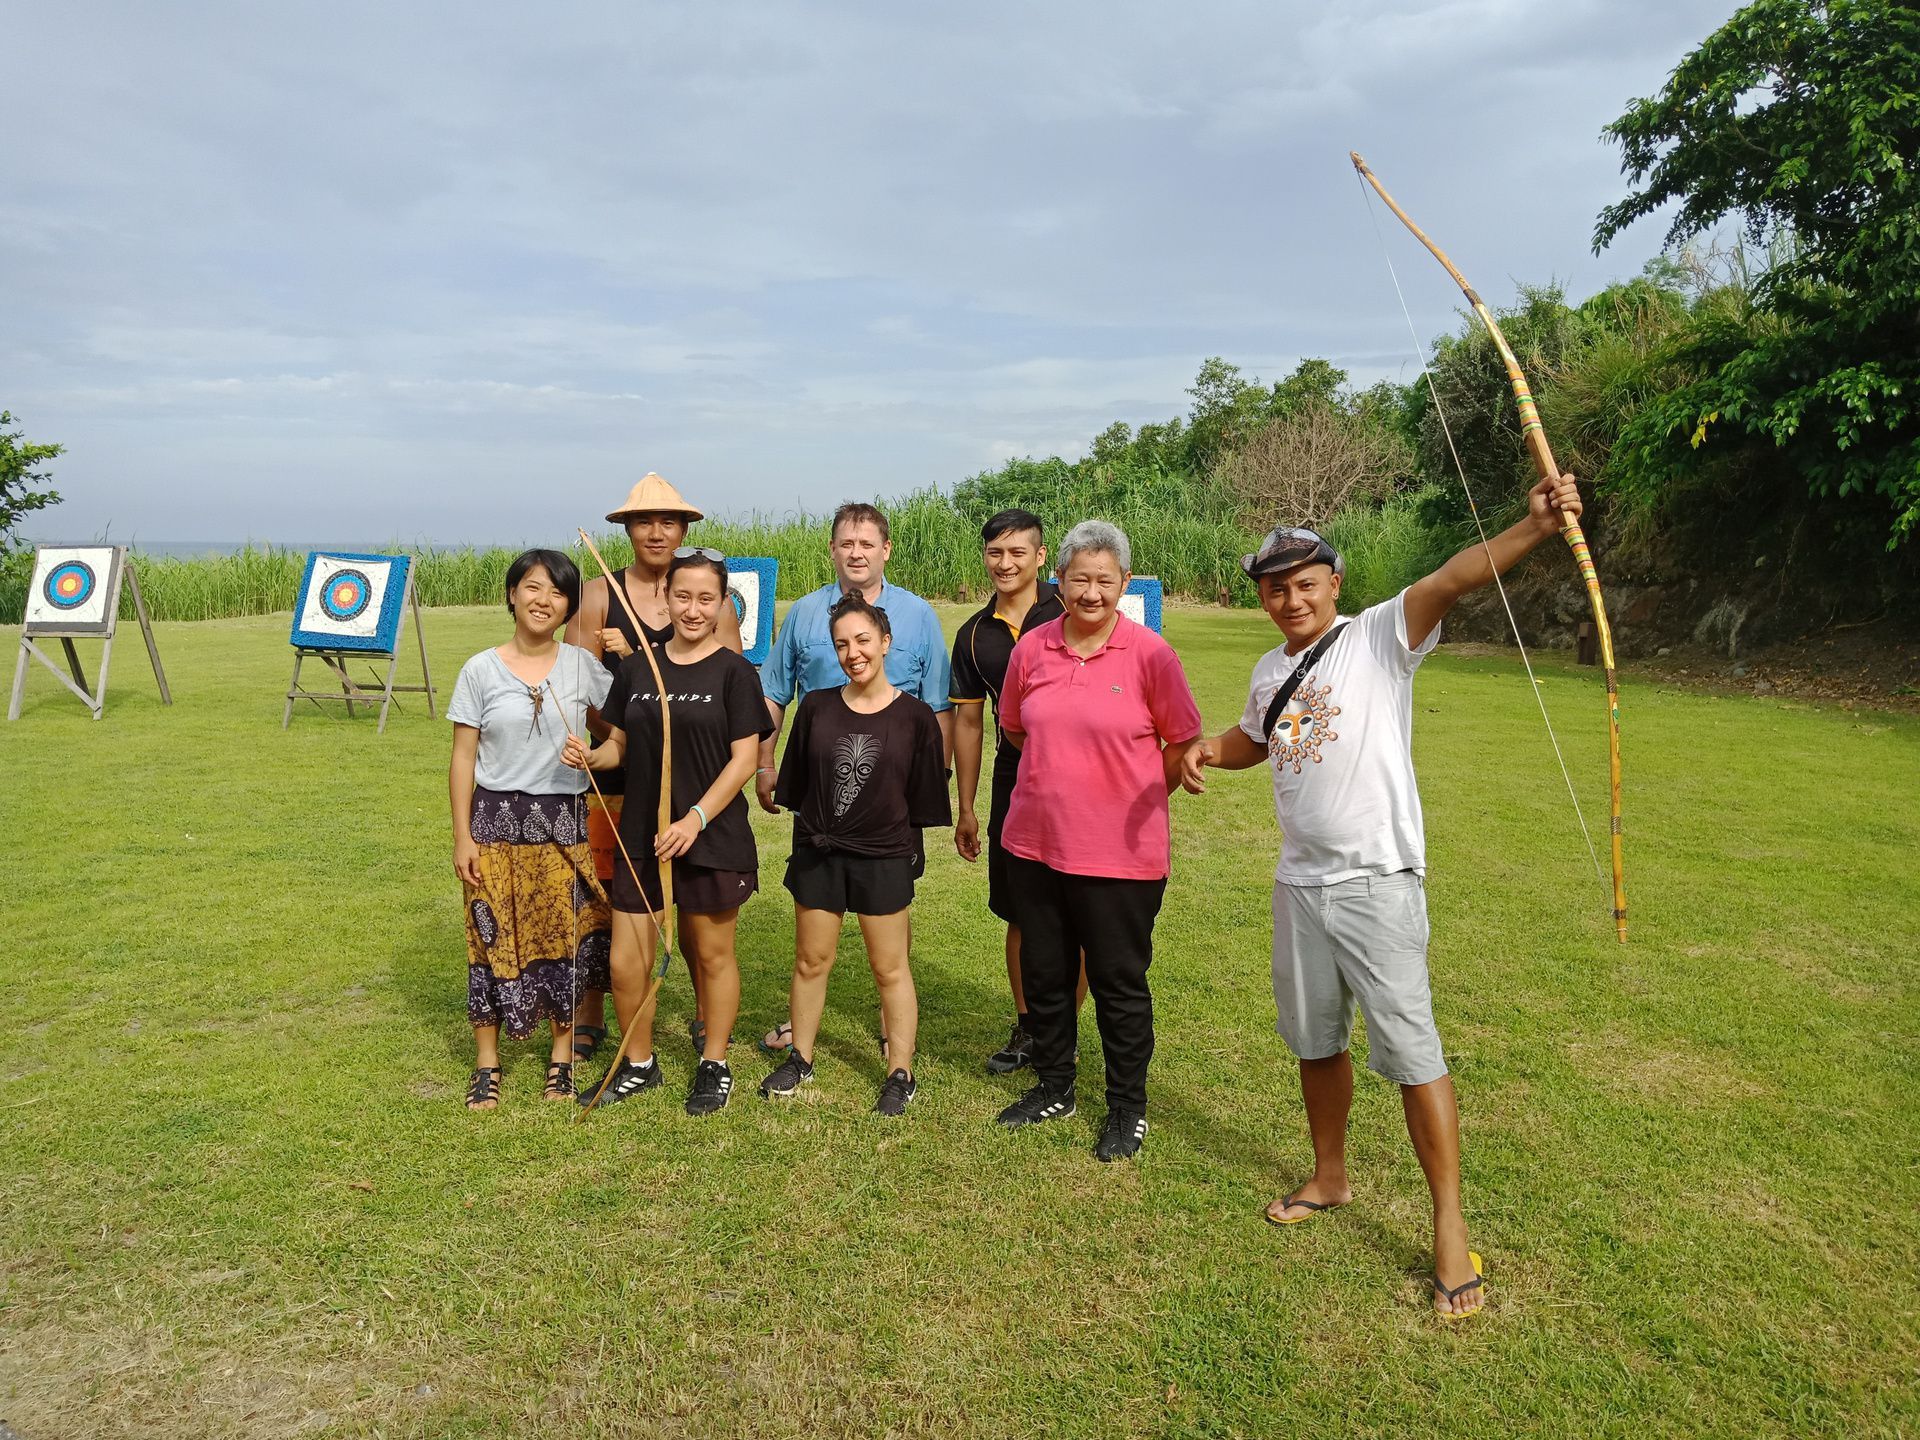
[[1016, 558]]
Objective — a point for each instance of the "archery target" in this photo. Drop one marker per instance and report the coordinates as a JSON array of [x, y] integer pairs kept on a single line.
[[346, 596], [72, 588], [350, 602], [746, 601], [751, 582], [1142, 602]]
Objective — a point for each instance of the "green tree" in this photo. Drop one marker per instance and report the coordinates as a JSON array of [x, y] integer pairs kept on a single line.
[[19, 473], [1801, 121], [1313, 382]]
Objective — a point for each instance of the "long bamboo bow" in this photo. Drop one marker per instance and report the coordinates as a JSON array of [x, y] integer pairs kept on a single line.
[[665, 818], [1536, 440]]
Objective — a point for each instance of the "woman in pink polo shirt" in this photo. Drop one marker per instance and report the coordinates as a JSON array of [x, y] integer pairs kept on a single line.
[[1103, 716]]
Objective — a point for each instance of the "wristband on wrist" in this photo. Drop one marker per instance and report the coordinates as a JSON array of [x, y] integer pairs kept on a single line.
[[765, 770], [703, 816]]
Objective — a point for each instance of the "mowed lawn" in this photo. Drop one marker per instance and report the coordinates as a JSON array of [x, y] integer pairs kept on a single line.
[[241, 1198]]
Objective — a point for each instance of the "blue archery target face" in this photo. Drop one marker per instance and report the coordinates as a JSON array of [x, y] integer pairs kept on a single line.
[[71, 587], [345, 598]]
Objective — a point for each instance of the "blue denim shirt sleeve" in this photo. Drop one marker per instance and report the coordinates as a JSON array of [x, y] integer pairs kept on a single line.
[[918, 663], [780, 671]]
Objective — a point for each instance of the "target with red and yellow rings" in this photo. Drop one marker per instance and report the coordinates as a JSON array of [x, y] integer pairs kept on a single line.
[[69, 585]]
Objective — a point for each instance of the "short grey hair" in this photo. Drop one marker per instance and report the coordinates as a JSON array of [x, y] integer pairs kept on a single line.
[[1093, 536]]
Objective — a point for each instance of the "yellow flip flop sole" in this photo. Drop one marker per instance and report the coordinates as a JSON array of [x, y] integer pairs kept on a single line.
[[1478, 1281]]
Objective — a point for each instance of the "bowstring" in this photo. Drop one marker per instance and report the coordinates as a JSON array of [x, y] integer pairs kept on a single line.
[[1473, 508]]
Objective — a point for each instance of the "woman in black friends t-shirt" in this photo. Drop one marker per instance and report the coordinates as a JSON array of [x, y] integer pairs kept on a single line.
[[863, 773], [718, 715]]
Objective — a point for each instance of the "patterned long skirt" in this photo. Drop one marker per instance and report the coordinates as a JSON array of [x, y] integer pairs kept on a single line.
[[538, 928]]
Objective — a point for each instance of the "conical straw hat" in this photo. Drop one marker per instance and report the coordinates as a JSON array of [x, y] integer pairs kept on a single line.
[[654, 495]]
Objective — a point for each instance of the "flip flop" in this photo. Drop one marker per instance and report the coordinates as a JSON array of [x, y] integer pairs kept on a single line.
[[777, 1040], [1289, 1202], [1477, 1282]]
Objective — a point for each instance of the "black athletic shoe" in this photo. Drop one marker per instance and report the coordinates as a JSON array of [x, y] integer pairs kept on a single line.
[[895, 1094], [785, 1082], [626, 1082], [1120, 1137], [1040, 1103], [712, 1087], [1016, 1054]]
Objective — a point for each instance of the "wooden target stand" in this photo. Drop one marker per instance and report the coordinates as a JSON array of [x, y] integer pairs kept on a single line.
[[96, 702], [353, 693]]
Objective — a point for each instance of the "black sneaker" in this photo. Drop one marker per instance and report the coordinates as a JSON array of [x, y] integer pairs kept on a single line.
[[1016, 1054], [1120, 1137], [895, 1094], [785, 1082], [1042, 1102], [712, 1087], [626, 1082]]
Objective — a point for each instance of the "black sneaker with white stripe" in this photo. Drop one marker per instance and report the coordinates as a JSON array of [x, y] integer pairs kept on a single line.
[[1121, 1136], [1039, 1104], [626, 1082], [787, 1078], [712, 1087], [896, 1094]]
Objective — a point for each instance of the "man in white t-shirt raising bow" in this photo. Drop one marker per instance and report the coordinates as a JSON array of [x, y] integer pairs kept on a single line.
[[1331, 712]]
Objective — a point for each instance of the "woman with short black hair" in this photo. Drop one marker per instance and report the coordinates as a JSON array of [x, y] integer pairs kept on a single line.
[[536, 915]]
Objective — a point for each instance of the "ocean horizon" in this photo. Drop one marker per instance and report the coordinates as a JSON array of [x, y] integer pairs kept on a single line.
[[196, 549]]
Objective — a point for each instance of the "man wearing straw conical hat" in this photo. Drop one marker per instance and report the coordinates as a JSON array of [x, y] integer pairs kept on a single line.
[[655, 517]]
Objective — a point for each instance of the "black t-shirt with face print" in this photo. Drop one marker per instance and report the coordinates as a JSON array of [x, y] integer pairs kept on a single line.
[[865, 784], [711, 703]]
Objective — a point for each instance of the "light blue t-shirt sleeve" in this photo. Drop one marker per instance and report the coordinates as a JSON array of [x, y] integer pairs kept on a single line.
[[599, 679], [466, 707]]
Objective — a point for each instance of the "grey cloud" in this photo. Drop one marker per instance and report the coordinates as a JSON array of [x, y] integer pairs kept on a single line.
[[780, 252]]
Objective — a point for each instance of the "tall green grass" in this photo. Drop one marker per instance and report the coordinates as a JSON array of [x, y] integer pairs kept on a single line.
[[936, 551]]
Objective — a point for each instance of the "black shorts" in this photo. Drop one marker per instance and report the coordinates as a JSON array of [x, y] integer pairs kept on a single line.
[[696, 889], [865, 884]]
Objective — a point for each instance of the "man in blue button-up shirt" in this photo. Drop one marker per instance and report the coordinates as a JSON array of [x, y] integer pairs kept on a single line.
[[803, 658]]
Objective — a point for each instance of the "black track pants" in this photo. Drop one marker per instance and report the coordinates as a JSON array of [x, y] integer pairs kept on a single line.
[[1112, 920]]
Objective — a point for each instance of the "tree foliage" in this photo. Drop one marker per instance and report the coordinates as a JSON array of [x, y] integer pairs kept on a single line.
[[19, 474], [1801, 121]]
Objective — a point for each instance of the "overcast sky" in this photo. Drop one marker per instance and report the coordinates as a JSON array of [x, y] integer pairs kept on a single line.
[[465, 272]]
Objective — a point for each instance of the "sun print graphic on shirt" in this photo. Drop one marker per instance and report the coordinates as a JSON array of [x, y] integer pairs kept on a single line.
[[1303, 727], [853, 761]]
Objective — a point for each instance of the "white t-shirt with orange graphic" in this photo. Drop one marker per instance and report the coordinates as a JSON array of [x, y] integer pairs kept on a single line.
[[1342, 752]]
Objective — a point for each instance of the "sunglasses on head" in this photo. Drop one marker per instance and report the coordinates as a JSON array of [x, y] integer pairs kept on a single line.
[[688, 552]]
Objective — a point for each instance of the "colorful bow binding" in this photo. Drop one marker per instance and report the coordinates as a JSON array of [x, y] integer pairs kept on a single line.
[[1535, 437]]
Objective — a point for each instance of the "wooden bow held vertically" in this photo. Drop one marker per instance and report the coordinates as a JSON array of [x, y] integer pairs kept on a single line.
[[1543, 461], [664, 816]]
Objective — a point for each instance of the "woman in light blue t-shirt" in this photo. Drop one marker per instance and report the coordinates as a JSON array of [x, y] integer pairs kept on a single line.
[[537, 919]]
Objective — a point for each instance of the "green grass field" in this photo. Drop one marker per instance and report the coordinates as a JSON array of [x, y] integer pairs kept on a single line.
[[241, 1197]]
